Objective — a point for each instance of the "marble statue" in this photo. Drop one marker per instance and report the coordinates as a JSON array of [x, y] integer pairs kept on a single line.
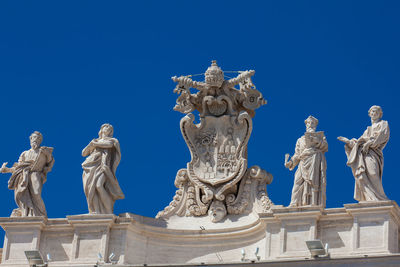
[[217, 181], [365, 157], [99, 181], [28, 176], [309, 187]]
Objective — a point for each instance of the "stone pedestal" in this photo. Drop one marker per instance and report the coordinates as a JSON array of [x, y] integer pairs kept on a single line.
[[352, 231], [357, 229], [375, 227], [23, 233]]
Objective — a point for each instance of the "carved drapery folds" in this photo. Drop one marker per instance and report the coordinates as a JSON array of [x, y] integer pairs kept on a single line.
[[217, 181]]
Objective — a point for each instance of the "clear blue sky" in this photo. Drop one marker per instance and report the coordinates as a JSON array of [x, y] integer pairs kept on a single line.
[[66, 67]]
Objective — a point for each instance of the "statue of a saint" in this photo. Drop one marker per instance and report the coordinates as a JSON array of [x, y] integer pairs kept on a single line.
[[28, 176], [99, 181], [365, 157], [310, 177]]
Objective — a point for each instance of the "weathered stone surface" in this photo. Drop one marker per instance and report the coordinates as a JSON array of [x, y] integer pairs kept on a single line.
[[365, 228], [365, 158], [28, 176], [221, 213], [99, 172], [217, 180], [309, 187]]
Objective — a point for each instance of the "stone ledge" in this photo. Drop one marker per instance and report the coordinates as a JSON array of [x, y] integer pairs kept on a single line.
[[280, 235]]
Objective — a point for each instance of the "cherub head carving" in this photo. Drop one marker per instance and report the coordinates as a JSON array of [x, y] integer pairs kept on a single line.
[[217, 211]]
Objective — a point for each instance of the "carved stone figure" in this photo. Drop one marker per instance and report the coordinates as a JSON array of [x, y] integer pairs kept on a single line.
[[99, 181], [310, 178], [28, 176], [217, 211], [365, 157], [216, 180]]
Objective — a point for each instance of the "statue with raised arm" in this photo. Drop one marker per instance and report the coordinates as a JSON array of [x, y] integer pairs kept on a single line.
[[99, 181], [28, 176], [365, 157], [310, 177]]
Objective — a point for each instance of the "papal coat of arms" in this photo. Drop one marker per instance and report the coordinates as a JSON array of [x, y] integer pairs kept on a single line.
[[217, 180]]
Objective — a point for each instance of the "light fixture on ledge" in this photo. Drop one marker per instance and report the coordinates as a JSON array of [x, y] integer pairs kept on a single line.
[[316, 248], [35, 258]]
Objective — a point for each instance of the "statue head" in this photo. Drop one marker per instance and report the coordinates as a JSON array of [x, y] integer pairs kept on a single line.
[[375, 112], [214, 75], [311, 124], [35, 139], [106, 130], [217, 211]]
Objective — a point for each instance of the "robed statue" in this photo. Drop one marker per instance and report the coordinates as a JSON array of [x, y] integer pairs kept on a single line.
[[310, 178], [99, 181], [365, 157], [28, 176]]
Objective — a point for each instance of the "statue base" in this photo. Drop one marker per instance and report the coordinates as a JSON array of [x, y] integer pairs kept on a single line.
[[367, 228]]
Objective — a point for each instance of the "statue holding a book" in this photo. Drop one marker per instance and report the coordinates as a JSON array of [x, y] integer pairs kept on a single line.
[[309, 188]]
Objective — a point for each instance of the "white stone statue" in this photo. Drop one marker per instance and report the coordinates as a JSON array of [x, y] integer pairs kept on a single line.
[[28, 176], [217, 181], [99, 181], [310, 178], [365, 157]]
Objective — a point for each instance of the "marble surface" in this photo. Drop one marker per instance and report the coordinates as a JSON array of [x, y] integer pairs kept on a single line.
[[365, 157], [28, 176], [100, 183], [309, 186], [365, 228], [217, 180]]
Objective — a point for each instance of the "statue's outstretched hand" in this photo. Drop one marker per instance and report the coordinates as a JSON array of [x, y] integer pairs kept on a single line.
[[343, 139], [3, 167], [288, 163]]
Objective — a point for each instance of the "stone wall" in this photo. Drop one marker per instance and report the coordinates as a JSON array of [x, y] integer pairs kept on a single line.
[[352, 231]]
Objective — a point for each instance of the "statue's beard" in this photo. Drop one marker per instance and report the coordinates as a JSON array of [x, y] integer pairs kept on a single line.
[[34, 145], [310, 129]]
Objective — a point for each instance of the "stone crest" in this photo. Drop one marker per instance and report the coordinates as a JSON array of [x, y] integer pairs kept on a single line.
[[214, 181]]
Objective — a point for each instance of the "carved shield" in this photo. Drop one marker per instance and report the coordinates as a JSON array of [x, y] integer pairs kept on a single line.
[[218, 147]]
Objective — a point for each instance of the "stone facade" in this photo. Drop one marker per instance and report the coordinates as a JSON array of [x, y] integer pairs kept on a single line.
[[352, 231], [221, 213]]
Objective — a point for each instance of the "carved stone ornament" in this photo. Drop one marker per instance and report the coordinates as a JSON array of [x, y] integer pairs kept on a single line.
[[217, 181]]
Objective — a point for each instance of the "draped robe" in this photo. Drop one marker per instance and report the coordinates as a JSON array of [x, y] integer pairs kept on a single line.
[[367, 167], [310, 176], [27, 179], [101, 163]]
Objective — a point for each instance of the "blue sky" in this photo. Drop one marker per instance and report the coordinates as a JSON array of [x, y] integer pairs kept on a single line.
[[66, 67]]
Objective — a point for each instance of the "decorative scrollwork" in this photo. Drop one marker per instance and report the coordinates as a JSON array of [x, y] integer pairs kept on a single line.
[[217, 181]]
